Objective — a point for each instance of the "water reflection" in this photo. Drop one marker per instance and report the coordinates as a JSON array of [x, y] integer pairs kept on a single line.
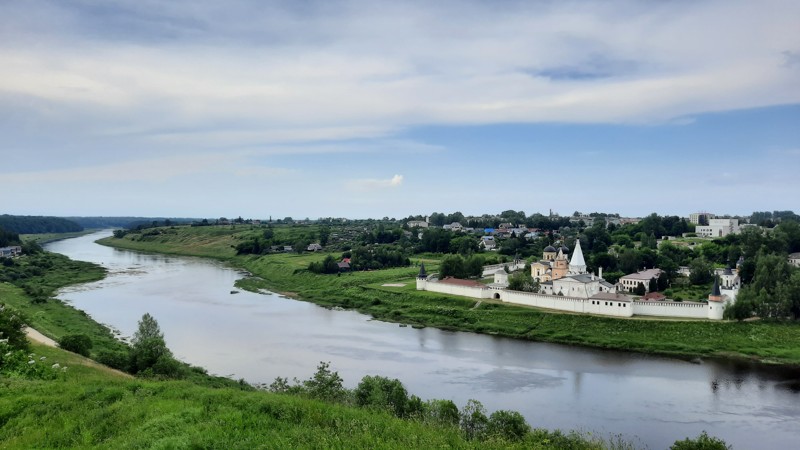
[[260, 337]]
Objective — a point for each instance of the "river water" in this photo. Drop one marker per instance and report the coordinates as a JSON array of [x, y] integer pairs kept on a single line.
[[648, 399]]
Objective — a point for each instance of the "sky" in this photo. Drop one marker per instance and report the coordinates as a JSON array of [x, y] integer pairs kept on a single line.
[[371, 109]]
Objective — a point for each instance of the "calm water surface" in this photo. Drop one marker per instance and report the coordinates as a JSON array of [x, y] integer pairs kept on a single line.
[[652, 400]]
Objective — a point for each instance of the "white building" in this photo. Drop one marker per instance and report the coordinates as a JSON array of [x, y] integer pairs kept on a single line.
[[794, 259], [631, 281], [718, 228]]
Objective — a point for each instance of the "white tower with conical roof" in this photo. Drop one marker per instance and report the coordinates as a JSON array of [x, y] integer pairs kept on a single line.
[[577, 265]]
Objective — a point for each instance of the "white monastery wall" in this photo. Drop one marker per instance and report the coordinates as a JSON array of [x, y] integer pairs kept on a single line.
[[671, 309]]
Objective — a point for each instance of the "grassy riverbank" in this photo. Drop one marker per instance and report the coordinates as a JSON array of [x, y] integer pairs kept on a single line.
[[364, 291], [88, 406], [44, 238]]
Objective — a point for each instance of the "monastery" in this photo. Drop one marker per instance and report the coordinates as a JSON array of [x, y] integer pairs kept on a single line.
[[565, 285]]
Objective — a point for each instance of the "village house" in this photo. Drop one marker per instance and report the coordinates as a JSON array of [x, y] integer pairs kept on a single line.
[[314, 247], [488, 243], [794, 259], [8, 252]]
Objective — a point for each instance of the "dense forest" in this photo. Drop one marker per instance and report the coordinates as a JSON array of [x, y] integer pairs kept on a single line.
[[8, 238], [37, 224], [123, 222]]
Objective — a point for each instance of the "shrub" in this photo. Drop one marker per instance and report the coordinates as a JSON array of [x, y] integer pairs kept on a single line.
[[116, 360], [441, 412], [383, 393], [76, 343], [702, 442], [508, 425]]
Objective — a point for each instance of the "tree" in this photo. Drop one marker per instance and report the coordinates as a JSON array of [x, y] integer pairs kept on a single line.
[[383, 393], [508, 425], [441, 412], [522, 281], [702, 442], [640, 289], [325, 384], [653, 285], [148, 348], [324, 235], [452, 266], [473, 419], [12, 327], [700, 271]]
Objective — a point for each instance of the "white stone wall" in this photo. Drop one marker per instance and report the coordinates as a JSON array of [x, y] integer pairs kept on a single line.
[[453, 289], [572, 304], [671, 309]]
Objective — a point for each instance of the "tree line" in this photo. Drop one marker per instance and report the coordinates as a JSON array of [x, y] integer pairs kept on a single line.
[[37, 224]]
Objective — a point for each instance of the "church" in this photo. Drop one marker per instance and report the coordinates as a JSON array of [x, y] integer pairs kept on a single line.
[[559, 275]]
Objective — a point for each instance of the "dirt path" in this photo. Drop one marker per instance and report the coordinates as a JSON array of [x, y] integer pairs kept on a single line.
[[35, 336]]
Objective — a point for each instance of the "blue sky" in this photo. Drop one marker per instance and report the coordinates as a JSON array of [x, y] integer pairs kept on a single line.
[[371, 109]]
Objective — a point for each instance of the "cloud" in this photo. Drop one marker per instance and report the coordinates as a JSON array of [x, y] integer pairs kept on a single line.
[[364, 69], [367, 184]]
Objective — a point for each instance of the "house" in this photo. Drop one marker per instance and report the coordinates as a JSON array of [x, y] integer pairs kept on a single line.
[[455, 226], [631, 281], [344, 265], [418, 223], [288, 248], [8, 252], [488, 243], [794, 259], [314, 247]]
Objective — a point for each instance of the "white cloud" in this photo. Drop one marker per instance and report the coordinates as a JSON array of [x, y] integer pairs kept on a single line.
[[367, 184], [361, 69]]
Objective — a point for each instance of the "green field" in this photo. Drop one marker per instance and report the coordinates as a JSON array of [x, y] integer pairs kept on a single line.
[[772, 342]]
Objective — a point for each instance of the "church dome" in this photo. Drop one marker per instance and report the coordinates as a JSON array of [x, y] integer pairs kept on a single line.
[[550, 249], [565, 249]]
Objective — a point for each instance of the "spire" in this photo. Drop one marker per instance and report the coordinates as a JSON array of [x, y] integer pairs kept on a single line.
[[577, 264], [422, 273]]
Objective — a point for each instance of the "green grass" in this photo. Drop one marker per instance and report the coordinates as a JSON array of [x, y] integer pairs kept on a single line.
[[771, 342], [56, 319], [44, 238], [92, 408]]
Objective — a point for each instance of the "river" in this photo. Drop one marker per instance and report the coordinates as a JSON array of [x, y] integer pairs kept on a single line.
[[650, 400]]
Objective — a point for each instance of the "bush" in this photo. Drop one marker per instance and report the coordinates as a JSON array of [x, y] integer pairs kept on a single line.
[[76, 343], [508, 425], [115, 360], [383, 393], [702, 442]]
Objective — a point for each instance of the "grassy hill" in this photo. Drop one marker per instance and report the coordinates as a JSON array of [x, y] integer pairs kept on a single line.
[[90, 406]]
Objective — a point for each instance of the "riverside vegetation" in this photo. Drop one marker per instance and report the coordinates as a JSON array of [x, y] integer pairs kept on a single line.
[[775, 342]]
